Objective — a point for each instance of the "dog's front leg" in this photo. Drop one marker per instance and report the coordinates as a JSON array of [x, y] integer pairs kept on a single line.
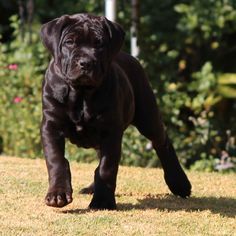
[[60, 190], [106, 173]]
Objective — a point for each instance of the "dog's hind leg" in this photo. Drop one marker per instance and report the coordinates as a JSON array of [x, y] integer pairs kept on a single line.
[[149, 123]]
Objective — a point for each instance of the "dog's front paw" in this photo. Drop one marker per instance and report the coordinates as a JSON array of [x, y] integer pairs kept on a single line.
[[179, 184], [58, 198], [103, 203], [103, 198]]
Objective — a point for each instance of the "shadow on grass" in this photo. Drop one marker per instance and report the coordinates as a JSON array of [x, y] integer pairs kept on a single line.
[[222, 205], [76, 211]]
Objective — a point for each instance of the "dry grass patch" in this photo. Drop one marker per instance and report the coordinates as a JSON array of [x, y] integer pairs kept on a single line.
[[145, 206]]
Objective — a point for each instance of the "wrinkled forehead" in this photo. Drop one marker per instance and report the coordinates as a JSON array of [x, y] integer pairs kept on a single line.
[[85, 25]]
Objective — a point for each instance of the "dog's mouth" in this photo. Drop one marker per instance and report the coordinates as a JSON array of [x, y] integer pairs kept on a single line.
[[83, 80]]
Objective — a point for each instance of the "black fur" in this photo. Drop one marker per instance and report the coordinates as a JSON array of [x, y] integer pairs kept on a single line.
[[91, 93]]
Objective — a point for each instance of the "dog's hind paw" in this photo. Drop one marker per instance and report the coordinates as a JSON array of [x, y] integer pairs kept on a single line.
[[179, 185], [87, 190]]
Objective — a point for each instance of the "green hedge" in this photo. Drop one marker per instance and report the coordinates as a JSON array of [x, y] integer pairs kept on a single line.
[[187, 51], [22, 67]]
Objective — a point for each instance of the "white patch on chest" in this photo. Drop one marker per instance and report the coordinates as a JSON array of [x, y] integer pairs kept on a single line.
[[79, 128]]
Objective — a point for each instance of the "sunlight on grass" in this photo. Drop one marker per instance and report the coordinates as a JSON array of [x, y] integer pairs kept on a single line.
[[145, 206]]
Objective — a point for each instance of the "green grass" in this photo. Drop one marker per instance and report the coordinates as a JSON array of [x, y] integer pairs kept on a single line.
[[145, 206]]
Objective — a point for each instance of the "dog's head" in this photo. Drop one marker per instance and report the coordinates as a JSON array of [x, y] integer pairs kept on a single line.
[[82, 46]]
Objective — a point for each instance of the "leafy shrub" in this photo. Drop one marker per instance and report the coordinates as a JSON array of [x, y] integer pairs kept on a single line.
[[185, 49], [137, 151], [22, 65]]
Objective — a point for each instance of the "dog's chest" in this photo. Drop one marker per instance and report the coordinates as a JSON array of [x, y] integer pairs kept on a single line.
[[85, 128], [81, 115]]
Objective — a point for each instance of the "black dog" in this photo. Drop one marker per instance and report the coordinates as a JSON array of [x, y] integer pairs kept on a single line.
[[91, 93]]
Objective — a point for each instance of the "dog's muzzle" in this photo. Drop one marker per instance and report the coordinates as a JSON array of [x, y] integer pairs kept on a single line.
[[86, 65], [81, 71]]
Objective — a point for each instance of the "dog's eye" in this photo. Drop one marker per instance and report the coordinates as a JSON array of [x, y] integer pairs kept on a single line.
[[69, 42], [98, 43]]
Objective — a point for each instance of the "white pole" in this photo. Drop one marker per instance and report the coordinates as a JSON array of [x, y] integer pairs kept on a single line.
[[134, 43], [134, 28], [110, 10]]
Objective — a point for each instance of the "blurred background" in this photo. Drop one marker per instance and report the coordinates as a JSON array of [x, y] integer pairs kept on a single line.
[[188, 49]]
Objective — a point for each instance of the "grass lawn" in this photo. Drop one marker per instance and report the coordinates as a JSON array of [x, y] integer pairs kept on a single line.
[[145, 206]]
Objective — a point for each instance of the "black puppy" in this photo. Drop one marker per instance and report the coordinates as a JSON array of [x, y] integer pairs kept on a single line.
[[91, 93]]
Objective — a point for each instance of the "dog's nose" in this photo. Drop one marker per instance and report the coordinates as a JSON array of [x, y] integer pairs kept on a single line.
[[86, 64]]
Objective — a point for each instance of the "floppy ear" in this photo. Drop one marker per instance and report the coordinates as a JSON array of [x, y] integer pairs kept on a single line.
[[116, 35], [51, 34]]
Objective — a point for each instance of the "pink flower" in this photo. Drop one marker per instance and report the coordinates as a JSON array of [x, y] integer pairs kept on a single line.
[[17, 99], [13, 67]]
